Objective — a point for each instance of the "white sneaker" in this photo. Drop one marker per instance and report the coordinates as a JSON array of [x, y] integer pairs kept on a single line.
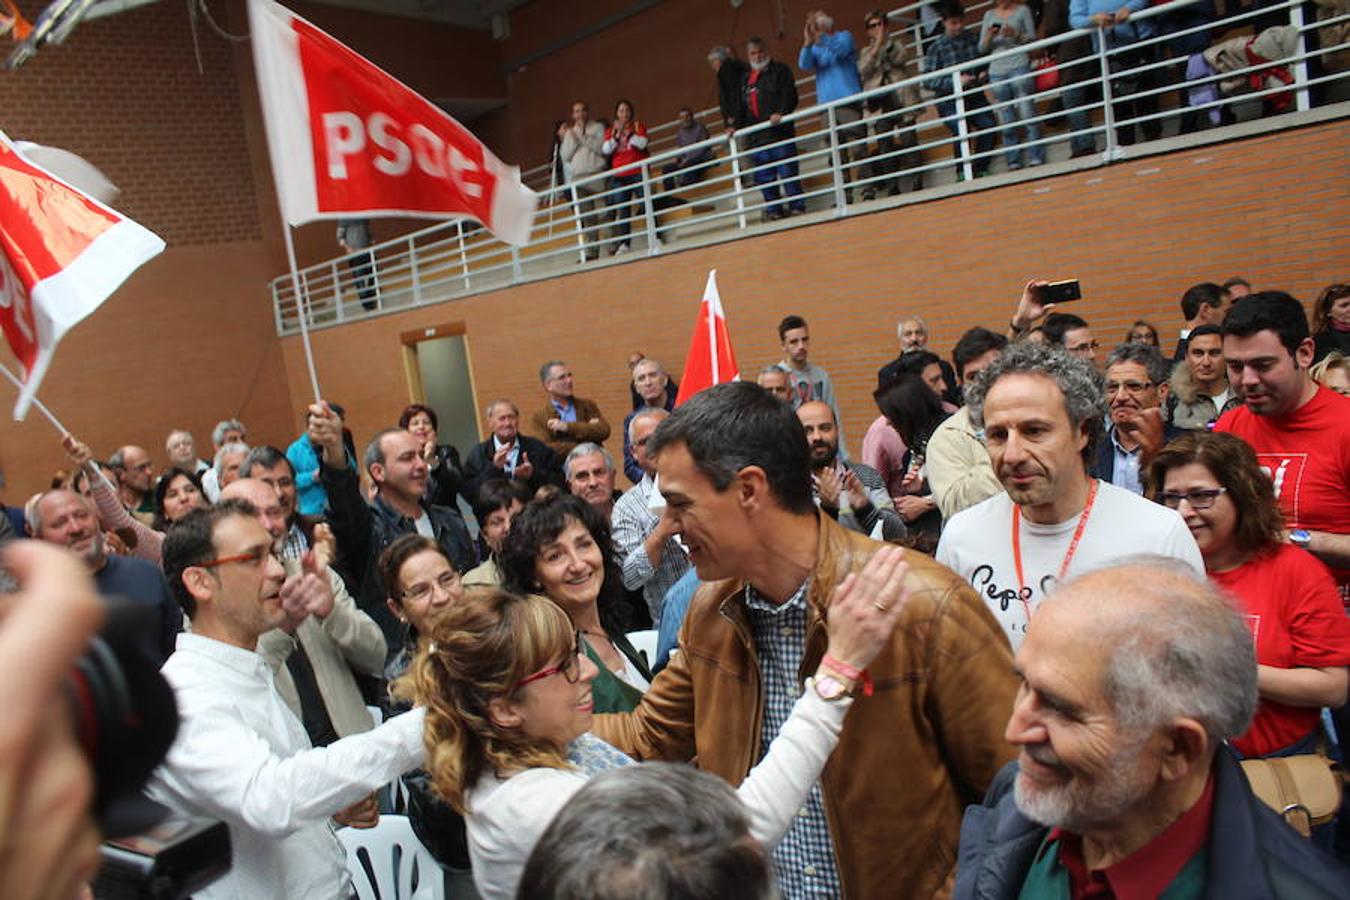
[[622, 248]]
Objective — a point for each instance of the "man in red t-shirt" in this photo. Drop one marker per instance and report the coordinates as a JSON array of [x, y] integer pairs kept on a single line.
[[1299, 430]]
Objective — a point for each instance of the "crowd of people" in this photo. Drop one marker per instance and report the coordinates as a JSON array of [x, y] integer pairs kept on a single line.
[[878, 135], [1122, 573]]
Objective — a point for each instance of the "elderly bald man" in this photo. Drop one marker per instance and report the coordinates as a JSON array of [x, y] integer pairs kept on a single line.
[[315, 651], [1132, 679]]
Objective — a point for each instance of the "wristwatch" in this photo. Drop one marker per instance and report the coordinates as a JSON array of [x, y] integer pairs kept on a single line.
[[828, 688], [1300, 537]]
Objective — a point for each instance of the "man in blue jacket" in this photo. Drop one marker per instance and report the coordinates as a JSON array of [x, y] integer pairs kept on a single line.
[[1112, 19], [1132, 680], [833, 56]]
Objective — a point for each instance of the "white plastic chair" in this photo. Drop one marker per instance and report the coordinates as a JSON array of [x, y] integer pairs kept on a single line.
[[384, 862], [645, 642]]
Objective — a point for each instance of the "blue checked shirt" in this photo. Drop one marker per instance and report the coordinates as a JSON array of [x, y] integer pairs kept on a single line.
[[804, 859]]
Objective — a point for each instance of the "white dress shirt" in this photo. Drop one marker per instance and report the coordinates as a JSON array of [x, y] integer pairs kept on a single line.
[[242, 756]]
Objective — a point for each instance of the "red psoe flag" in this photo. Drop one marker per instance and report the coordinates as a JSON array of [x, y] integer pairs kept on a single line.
[[62, 253], [347, 139], [711, 359]]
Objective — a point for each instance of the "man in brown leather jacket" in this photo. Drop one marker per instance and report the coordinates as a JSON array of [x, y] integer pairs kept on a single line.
[[566, 420], [924, 739]]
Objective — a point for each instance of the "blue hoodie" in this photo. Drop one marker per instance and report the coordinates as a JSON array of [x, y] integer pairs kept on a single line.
[[835, 61], [1082, 11]]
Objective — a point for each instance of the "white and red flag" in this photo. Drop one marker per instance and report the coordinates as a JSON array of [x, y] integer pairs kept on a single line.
[[348, 139], [62, 253], [711, 359]]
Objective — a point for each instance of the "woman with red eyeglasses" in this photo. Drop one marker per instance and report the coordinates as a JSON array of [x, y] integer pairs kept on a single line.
[[507, 689], [1300, 629]]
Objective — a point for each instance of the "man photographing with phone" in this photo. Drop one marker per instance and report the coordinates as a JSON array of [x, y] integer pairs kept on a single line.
[[1038, 302]]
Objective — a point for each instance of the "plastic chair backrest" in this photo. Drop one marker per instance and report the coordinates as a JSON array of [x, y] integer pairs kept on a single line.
[[644, 642], [386, 861]]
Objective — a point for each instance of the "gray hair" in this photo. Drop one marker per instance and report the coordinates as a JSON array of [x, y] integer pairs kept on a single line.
[[228, 450], [900, 324], [32, 512], [721, 53], [177, 431], [118, 460], [1080, 384], [772, 367], [646, 412], [605, 844], [487, 410], [224, 425], [265, 457], [1146, 355], [647, 360], [1184, 651], [546, 367], [586, 449], [375, 447]]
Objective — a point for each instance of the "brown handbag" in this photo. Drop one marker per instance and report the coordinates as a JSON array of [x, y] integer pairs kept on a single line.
[[1304, 789]]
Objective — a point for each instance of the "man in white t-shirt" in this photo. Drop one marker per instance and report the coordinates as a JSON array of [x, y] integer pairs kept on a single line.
[[1042, 413]]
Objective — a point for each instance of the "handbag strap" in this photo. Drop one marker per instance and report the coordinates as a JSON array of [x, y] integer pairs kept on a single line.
[[1292, 811]]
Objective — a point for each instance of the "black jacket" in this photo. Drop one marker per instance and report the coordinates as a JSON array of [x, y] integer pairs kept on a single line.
[[1252, 853], [363, 531], [1104, 465], [730, 92], [547, 465], [776, 91]]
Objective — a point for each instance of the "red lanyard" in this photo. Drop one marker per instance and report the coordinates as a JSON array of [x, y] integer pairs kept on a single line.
[[1068, 556]]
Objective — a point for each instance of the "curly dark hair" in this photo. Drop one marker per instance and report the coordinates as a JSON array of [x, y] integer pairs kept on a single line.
[[1233, 464], [540, 523]]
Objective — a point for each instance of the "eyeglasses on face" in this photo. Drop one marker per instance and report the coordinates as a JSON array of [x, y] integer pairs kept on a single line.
[[446, 582], [569, 668], [1133, 387], [1198, 499], [1089, 347], [253, 558]]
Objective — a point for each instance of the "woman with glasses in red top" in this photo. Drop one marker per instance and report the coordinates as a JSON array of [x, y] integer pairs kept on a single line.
[[507, 690], [1300, 629]]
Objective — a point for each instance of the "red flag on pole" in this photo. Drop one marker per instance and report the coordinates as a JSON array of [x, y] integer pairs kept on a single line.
[[62, 253], [348, 139], [711, 359]]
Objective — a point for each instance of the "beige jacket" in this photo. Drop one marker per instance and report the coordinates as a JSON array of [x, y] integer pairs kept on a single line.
[[959, 472], [348, 639]]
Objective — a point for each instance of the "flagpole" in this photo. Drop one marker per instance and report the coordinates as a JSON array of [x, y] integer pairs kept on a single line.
[[712, 327], [302, 307], [41, 407]]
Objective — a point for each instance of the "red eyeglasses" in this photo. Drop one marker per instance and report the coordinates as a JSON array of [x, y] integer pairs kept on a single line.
[[568, 668]]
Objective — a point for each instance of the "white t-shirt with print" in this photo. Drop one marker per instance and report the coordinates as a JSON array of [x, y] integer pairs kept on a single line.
[[977, 545]]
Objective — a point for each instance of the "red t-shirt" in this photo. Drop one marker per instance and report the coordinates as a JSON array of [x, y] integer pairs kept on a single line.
[[625, 152], [1296, 618], [1307, 453]]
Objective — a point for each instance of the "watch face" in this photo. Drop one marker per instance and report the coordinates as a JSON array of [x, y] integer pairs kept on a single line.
[[1300, 537], [829, 688]]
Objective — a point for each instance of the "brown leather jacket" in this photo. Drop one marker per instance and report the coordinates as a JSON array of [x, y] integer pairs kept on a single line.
[[910, 757], [578, 432]]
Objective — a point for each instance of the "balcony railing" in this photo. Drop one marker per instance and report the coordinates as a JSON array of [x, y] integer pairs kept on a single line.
[[938, 139]]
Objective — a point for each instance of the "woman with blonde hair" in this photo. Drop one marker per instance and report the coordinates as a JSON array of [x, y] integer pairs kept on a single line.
[[507, 691]]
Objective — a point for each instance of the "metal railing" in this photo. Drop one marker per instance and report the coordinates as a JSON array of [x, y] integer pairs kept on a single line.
[[818, 160], [662, 137]]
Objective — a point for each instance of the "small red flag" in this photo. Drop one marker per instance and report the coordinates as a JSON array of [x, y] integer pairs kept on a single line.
[[711, 359]]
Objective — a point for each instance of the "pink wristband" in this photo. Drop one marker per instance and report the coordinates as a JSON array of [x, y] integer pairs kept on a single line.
[[842, 668]]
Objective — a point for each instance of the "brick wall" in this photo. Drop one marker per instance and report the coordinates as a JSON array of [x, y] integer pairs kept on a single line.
[[1138, 234], [124, 92]]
